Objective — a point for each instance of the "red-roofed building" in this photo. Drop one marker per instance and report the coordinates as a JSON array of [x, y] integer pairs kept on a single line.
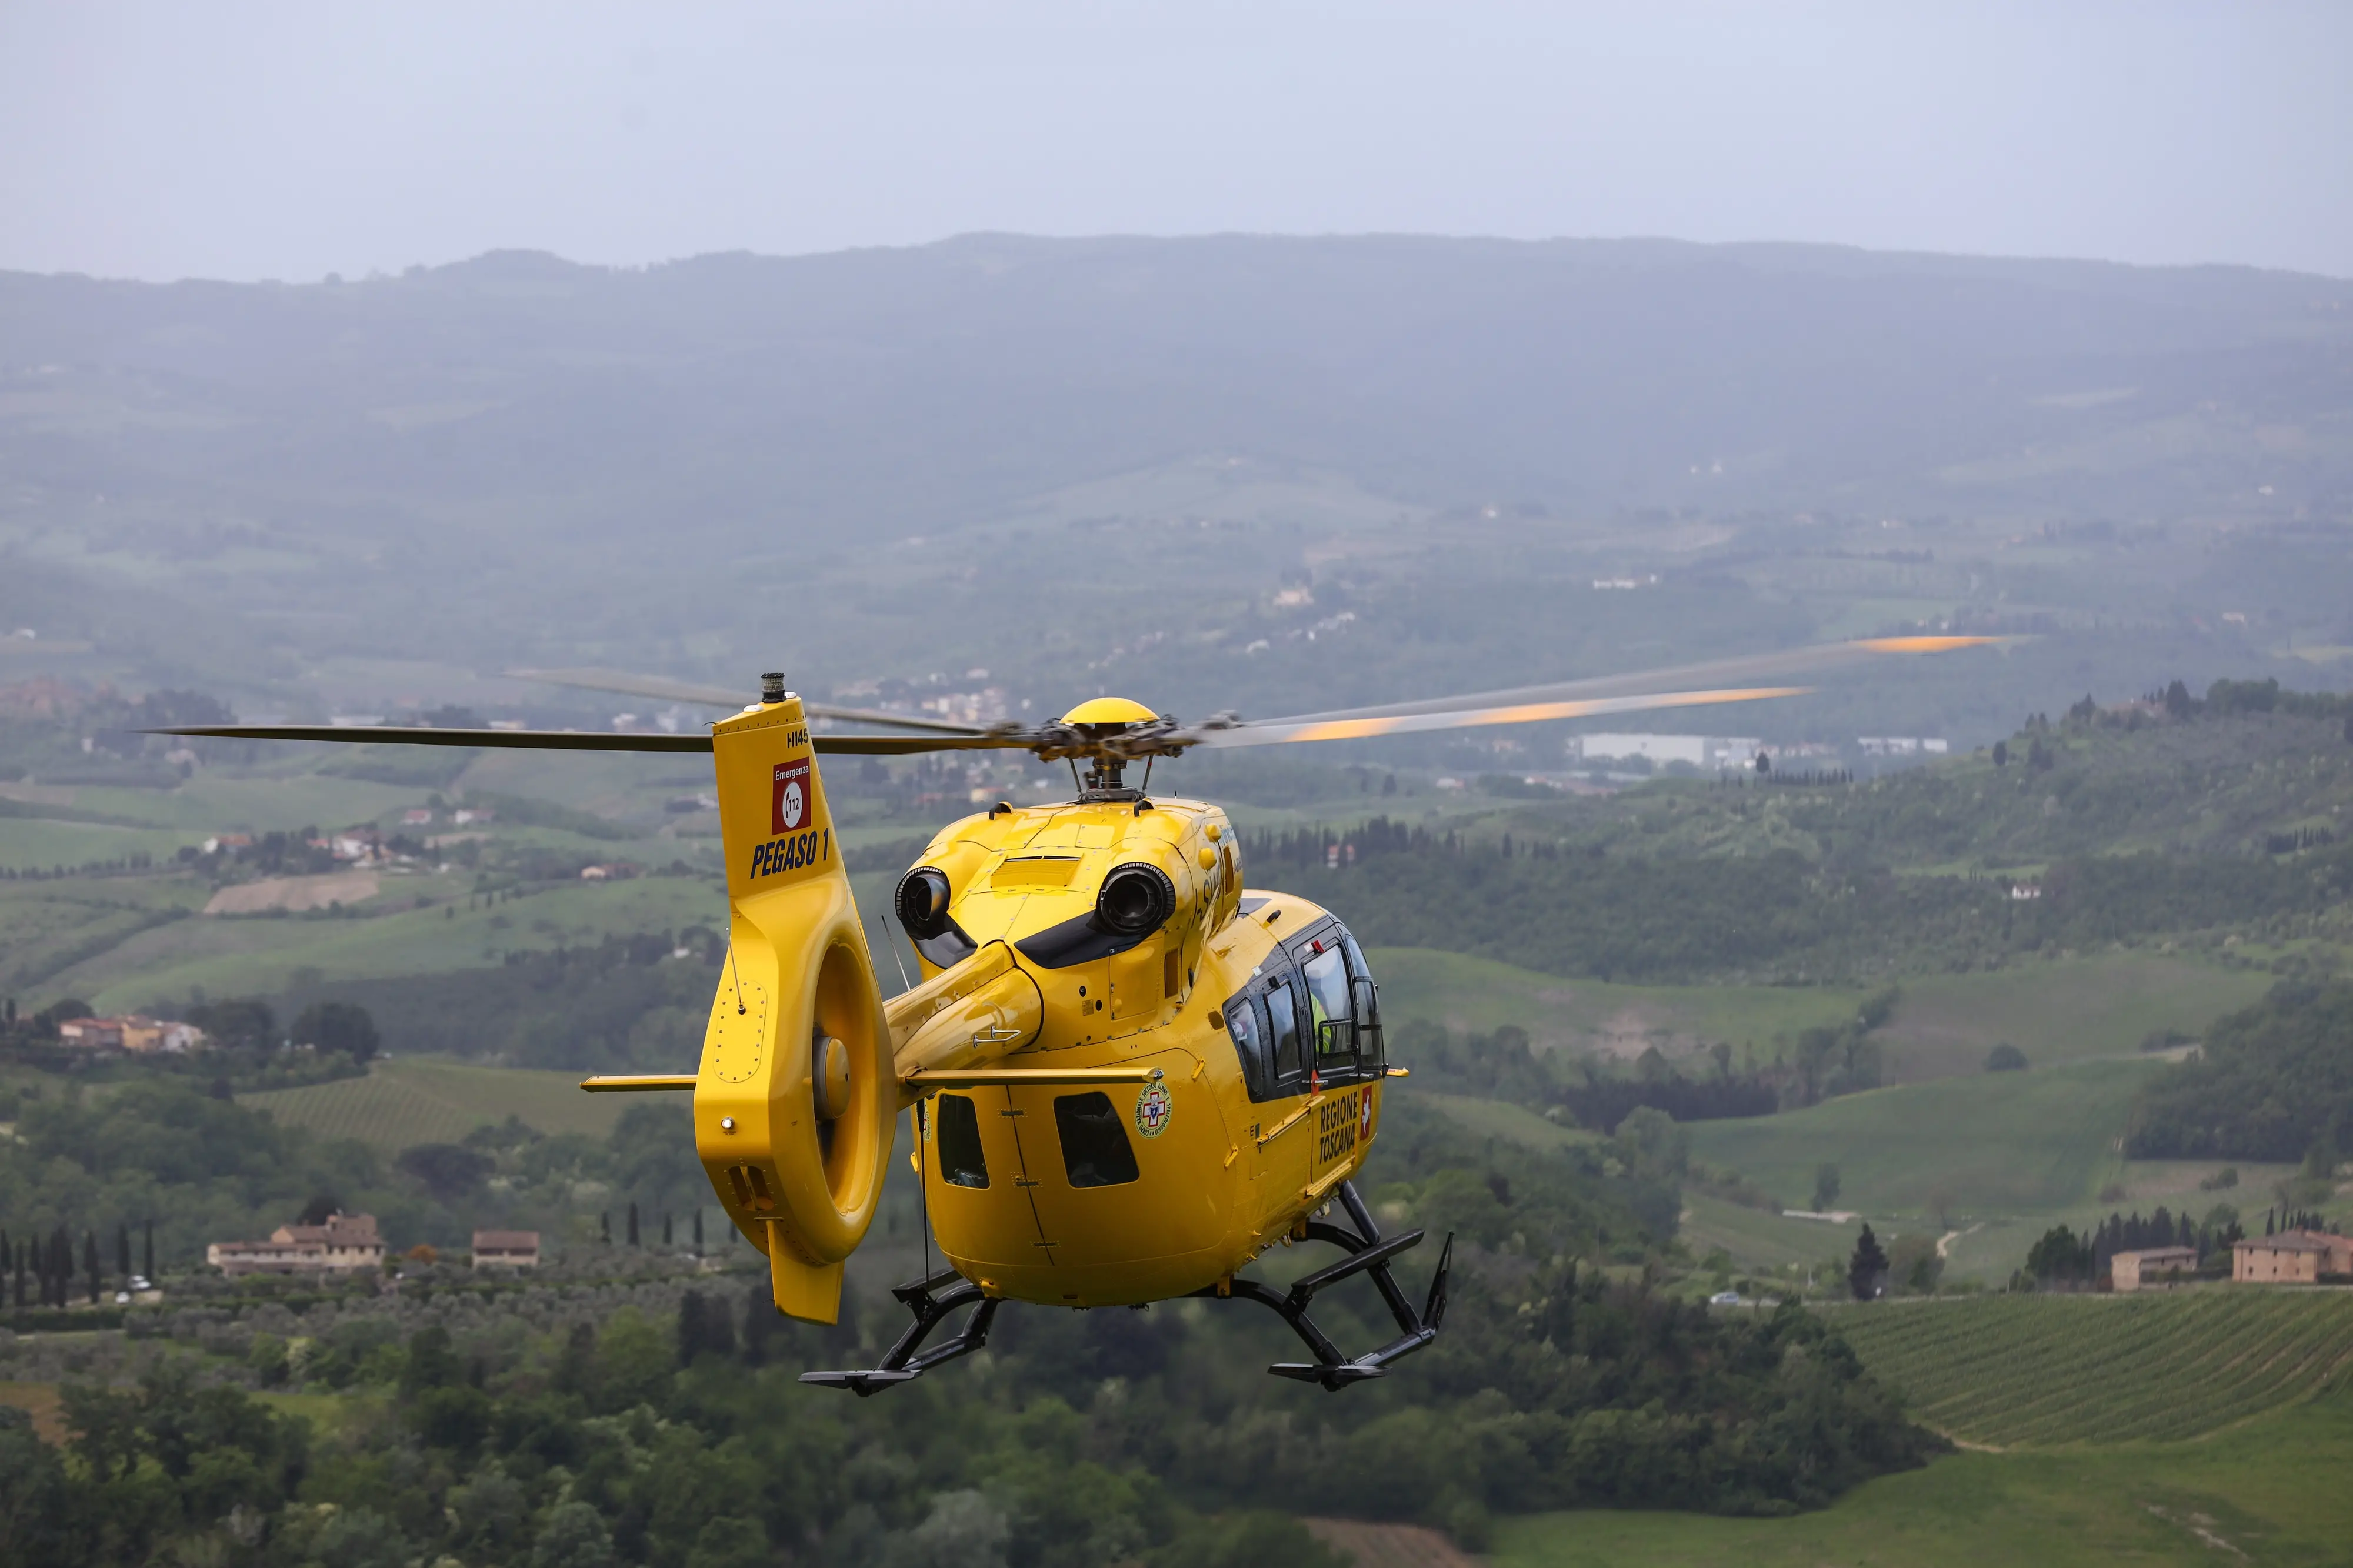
[[506, 1249], [346, 1241]]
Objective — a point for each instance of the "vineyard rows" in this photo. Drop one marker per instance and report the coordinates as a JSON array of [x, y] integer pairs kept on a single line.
[[2034, 1370], [415, 1101]]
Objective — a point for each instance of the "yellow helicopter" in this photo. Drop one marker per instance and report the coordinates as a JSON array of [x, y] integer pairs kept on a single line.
[[1129, 1074]]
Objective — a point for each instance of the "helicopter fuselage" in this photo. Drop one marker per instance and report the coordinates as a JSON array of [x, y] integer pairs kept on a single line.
[[1257, 1008]]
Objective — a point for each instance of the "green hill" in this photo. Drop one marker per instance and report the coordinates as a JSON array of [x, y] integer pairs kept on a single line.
[[2271, 1490], [401, 1103], [2057, 1010], [2036, 1141]]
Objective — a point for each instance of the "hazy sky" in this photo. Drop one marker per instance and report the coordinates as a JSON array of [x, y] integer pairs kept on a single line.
[[248, 141]]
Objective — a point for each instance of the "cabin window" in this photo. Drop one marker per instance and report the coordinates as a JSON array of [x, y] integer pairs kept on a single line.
[[1282, 1013], [1095, 1151], [1249, 1032], [1372, 1050], [961, 1164], [1326, 974]]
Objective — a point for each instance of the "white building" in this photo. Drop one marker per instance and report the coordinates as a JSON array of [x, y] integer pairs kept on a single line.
[[1699, 750]]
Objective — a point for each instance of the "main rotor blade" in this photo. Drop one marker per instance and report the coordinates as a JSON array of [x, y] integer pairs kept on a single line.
[[668, 690], [412, 735], [580, 740], [1715, 673], [1278, 732]]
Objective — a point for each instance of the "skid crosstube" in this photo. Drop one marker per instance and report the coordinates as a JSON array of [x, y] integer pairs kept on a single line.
[[1368, 1253], [933, 1299]]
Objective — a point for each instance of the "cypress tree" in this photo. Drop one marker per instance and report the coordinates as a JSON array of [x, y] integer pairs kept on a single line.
[[697, 1230], [1866, 1272], [90, 1262], [148, 1254], [690, 1328], [604, 1228], [759, 1324], [123, 1253], [666, 1235], [633, 1222]]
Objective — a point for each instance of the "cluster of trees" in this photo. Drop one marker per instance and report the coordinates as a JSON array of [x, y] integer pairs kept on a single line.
[[42, 1270], [2061, 1259], [1082, 1439], [165, 1153], [2274, 1082], [138, 863], [276, 853], [2227, 697], [1777, 914], [1504, 1064], [658, 1437], [244, 1048], [622, 1003]]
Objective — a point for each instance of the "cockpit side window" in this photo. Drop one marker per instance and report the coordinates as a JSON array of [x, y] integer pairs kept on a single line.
[[1247, 1025], [1283, 1015]]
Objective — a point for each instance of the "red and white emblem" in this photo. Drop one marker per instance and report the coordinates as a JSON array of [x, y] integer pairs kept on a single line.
[[791, 797], [1364, 1114], [1152, 1110]]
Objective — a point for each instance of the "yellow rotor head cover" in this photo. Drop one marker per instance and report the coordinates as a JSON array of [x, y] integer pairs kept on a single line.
[[1109, 711], [795, 1101]]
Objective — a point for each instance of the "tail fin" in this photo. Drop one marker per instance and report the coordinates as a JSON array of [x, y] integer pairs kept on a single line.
[[795, 1102]]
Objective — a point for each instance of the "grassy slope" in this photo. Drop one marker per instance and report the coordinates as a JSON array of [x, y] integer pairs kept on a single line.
[[2035, 1142], [1757, 1240], [234, 957], [2038, 1371], [1510, 1123], [2273, 1490], [2056, 1011], [1480, 995], [418, 1101]]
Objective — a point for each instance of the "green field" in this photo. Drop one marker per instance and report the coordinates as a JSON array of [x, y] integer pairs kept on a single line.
[[261, 955], [2039, 1371], [2057, 1011], [1510, 1123], [2272, 1491], [1992, 1143], [1480, 994], [1758, 1240], [401, 1103]]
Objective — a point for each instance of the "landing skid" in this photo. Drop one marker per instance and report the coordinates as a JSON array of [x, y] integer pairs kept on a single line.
[[933, 1299], [901, 1364], [1368, 1253]]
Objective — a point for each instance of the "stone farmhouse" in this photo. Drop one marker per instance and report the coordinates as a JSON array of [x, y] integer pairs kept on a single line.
[[2152, 1269], [346, 1241], [2291, 1258]]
